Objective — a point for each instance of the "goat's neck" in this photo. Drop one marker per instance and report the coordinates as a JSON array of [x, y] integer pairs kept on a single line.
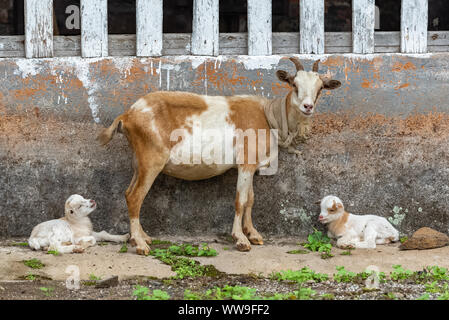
[[282, 116], [337, 227]]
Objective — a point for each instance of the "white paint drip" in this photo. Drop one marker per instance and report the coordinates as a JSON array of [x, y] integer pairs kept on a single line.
[[124, 65], [168, 79], [82, 72]]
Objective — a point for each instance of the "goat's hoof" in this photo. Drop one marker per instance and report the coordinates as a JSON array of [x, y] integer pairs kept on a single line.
[[147, 239], [256, 240], [243, 246], [143, 250]]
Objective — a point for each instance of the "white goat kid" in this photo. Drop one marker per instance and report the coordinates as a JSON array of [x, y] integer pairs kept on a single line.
[[72, 233], [356, 231]]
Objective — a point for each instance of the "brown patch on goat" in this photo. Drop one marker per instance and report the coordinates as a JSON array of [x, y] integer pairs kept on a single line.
[[338, 227], [169, 111], [247, 113]]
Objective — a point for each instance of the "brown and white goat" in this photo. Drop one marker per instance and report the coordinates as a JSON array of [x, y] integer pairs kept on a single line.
[[152, 126]]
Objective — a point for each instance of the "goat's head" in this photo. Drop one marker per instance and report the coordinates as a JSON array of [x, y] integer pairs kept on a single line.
[[306, 86], [331, 209]]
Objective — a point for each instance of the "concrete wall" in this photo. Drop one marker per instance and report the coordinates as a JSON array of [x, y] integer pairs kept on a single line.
[[380, 142]]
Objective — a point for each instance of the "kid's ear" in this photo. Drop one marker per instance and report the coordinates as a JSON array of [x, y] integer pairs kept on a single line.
[[339, 205], [285, 77], [318, 202]]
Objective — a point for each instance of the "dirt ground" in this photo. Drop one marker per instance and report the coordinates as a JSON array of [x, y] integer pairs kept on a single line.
[[246, 269]]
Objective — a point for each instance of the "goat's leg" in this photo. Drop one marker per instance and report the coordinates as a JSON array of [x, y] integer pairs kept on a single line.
[[104, 236], [244, 182], [131, 187], [151, 164], [248, 229]]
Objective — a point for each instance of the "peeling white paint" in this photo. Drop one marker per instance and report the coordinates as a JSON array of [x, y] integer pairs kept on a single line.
[[259, 62], [124, 65], [27, 67]]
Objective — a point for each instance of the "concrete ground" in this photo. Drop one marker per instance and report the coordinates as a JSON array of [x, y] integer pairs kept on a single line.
[[104, 261]]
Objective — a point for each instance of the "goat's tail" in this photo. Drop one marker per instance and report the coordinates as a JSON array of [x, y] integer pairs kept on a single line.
[[107, 133]]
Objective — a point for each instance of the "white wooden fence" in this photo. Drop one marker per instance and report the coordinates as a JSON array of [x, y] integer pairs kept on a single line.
[[205, 39]]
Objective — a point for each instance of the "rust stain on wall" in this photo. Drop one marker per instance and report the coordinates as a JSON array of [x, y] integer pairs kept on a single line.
[[398, 66], [227, 76], [401, 86]]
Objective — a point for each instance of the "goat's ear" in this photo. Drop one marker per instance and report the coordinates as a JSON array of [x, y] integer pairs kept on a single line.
[[284, 76], [331, 84], [318, 202]]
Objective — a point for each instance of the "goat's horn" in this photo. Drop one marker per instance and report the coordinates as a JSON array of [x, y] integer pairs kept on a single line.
[[297, 63], [315, 66]]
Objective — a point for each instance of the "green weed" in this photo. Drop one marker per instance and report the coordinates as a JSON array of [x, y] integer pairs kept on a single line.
[[300, 276], [124, 248], [142, 293], [34, 263]]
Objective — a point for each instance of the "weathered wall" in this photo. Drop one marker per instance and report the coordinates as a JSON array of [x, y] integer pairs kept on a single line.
[[380, 142]]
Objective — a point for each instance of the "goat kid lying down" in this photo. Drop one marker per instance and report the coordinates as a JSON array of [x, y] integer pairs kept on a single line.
[[73, 233], [355, 231]]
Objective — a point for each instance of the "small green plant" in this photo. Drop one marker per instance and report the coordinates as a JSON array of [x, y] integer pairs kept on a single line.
[[326, 255], [30, 276], [316, 241], [344, 275], [300, 294], [425, 296], [54, 252], [225, 248], [94, 277], [391, 296], [92, 280], [443, 290], [403, 239], [444, 296], [347, 252], [231, 292], [299, 251], [185, 267], [142, 293], [124, 248], [300, 276], [319, 242], [192, 251], [47, 291], [19, 244], [34, 263], [432, 287], [102, 243], [400, 273], [434, 273], [189, 295], [327, 296]]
